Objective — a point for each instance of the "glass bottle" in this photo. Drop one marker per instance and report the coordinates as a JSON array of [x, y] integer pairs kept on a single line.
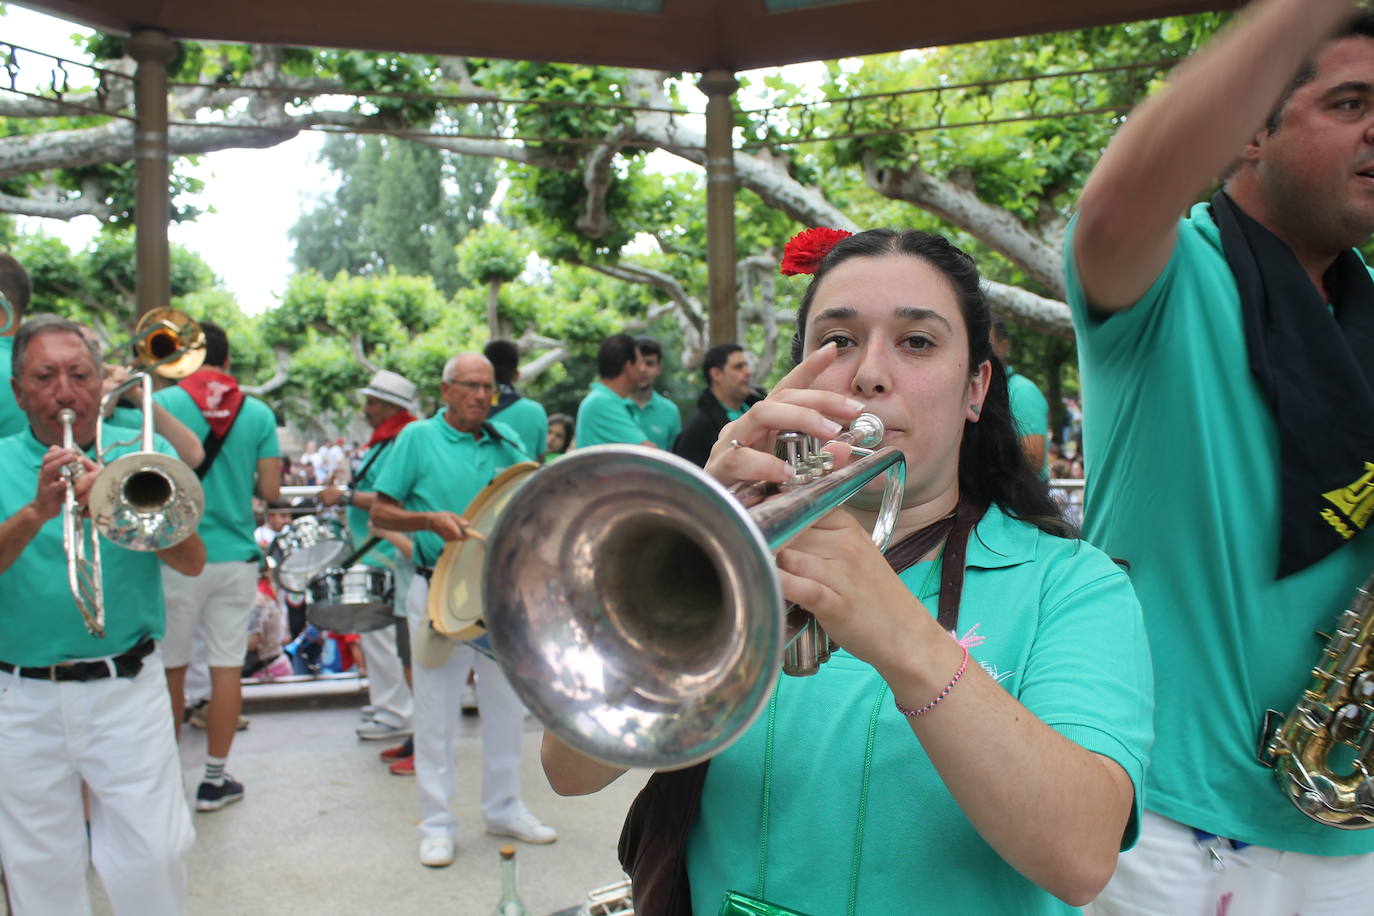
[[511, 904]]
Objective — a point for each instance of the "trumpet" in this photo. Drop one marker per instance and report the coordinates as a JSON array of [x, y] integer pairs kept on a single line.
[[634, 603], [143, 500]]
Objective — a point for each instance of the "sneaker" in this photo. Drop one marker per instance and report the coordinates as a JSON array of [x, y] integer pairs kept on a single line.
[[403, 767], [469, 700], [436, 851], [399, 752], [524, 827], [211, 797], [380, 731]]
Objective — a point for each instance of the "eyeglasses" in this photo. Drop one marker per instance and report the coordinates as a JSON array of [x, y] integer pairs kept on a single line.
[[474, 386]]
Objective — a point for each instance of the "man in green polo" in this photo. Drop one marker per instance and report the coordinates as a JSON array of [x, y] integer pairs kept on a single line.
[[1029, 408], [436, 468], [658, 417], [524, 415], [239, 437], [608, 415], [76, 708]]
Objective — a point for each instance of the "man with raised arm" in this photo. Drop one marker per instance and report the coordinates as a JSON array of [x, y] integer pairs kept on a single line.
[[1229, 434]]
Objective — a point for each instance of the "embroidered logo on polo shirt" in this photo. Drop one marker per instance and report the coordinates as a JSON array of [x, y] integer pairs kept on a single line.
[[1355, 501], [972, 638]]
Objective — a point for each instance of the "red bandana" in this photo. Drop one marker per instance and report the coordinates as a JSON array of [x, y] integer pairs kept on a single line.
[[390, 428], [218, 397]]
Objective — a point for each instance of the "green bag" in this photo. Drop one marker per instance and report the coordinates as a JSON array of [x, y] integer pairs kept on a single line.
[[737, 904]]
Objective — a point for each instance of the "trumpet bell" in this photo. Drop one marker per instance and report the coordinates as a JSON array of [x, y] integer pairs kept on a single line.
[[146, 501], [169, 342], [634, 607]]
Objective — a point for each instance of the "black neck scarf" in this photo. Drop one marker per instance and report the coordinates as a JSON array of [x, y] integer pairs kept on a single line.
[[1315, 365]]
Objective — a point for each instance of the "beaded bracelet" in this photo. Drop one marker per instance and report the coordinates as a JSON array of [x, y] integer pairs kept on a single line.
[[913, 713]]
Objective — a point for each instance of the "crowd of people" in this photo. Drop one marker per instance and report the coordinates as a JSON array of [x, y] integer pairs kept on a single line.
[[1018, 716]]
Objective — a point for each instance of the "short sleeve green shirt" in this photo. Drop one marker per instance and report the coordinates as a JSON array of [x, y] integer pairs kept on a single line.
[[605, 418], [435, 468], [530, 422], [1062, 633], [12, 419], [1183, 483], [660, 419], [39, 621], [1031, 412], [365, 481], [227, 527]]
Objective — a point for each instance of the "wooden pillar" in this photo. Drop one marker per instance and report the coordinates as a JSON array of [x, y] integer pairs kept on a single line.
[[153, 50], [719, 86]]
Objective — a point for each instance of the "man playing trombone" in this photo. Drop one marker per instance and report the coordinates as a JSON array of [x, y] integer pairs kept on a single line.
[[75, 707]]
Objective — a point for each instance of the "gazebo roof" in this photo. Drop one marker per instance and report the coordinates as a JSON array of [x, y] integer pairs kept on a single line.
[[661, 34]]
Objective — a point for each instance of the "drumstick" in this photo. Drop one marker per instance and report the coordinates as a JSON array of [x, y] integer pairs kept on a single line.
[[474, 533]]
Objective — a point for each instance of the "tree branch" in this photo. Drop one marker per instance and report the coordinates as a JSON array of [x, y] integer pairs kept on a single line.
[[992, 225], [355, 343], [278, 379], [1025, 308], [597, 176]]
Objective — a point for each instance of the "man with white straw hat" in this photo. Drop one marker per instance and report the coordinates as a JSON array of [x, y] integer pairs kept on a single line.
[[387, 402]]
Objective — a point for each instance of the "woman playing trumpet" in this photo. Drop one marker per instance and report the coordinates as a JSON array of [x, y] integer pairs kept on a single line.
[[977, 744]]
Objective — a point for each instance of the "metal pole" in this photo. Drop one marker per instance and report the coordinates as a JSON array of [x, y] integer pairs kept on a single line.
[[719, 86], [152, 199]]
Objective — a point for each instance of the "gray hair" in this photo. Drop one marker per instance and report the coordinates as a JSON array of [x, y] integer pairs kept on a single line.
[[48, 323]]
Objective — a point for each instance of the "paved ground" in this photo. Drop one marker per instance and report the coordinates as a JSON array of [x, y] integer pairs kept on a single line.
[[325, 829]]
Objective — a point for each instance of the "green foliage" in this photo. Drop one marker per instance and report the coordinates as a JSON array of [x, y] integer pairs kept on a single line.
[[398, 205], [97, 284], [492, 252]]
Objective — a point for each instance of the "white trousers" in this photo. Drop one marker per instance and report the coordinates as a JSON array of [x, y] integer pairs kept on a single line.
[[1169, 873], [438, 698], [116, 735], [387, 689]]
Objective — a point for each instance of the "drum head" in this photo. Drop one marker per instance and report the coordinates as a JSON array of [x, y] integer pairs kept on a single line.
[[455, 591], [307, 547]]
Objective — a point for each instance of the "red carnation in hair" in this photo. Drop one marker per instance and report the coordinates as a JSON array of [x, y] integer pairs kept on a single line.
[[804, 252]]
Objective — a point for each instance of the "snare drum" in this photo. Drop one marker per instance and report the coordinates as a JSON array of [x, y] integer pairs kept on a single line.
[[353, 600], [305, 548]]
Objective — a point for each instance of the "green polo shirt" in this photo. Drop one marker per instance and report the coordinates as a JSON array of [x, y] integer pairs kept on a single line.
[[1183, 483], [605, 418], [228, 524], [530, 422], [39, 621], [1062, 633], [370, 471], [1031, 412], [660, 419], [435, 468], [12, 419]]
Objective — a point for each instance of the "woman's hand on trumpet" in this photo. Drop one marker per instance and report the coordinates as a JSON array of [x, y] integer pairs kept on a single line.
[[744, 450], [834, 570]]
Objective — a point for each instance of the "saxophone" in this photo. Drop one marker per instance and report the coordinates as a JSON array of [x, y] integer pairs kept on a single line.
[[1334, 713]]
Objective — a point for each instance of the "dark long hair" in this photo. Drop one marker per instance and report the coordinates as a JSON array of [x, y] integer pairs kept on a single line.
[[992, 466]]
